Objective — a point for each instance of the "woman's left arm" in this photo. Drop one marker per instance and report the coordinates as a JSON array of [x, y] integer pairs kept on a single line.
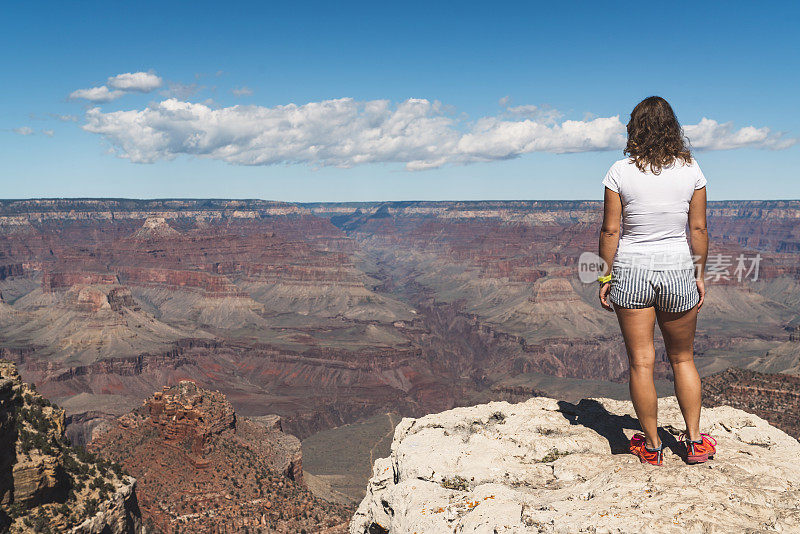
[[609, 238]]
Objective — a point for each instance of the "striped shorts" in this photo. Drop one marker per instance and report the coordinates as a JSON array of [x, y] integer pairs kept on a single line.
[[669, 291]]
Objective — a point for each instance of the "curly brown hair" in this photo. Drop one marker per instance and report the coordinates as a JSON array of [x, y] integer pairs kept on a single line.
[[655, 137]]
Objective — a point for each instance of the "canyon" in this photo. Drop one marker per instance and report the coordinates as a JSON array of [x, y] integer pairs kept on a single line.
[[329, 314], [772, 396]]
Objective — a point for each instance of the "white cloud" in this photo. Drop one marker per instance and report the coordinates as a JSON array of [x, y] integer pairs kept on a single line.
[[48, 133], [121, 84], [141, 82], [345, 132], [242, 91], [23, 130], [708, 134], [96, 94], [506, 100]]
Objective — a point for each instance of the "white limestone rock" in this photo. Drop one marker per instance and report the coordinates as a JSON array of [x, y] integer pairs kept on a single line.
[[551, 466]]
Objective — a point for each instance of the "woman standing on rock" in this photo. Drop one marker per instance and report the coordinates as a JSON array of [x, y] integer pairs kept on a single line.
[[653, 275]]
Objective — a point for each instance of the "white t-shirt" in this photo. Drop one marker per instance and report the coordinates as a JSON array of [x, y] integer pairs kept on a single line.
[[655, 210]]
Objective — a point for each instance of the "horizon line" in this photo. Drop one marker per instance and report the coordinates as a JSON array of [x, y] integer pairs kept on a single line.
[[231, 199]]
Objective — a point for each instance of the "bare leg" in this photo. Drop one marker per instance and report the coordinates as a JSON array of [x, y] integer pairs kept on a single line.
[[678, 331], [637, 329]]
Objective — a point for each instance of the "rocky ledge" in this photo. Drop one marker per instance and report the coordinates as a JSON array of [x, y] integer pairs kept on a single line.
[[550, 466], [46, 485]]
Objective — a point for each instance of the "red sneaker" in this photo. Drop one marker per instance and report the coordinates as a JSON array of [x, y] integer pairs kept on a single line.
[[700, 451], [649, 456]]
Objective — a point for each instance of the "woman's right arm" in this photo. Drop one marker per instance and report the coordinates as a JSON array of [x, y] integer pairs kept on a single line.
[[699, 238], [609, 238]]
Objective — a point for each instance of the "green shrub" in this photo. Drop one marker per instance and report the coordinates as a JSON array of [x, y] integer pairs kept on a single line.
[[553, 455], [90, 508], [455, 483]]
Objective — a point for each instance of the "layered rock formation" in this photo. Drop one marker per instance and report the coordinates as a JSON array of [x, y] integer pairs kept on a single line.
[[551, 466], [203, 469], [772, 396], [53, 281], [154, 228], [45, 484], [92, 299], [82, 324]]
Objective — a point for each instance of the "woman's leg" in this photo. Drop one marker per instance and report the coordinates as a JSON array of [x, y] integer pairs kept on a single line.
[[678, 331], [637, 329]]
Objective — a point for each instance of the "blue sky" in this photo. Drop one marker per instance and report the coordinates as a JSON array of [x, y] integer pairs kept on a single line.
[[480, 67]]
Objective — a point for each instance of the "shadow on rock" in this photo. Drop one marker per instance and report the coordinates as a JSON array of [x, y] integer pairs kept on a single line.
[[592, 414]]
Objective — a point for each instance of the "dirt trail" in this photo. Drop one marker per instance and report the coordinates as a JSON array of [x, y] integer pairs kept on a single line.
[[389, 434]]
